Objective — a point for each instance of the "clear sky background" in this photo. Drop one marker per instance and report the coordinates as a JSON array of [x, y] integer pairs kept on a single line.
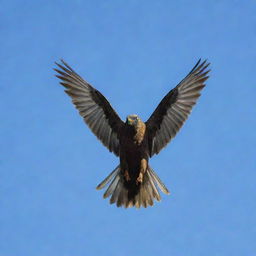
[[134, 52]]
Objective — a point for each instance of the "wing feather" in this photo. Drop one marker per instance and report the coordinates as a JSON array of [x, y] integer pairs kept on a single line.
[[173, 110], [92, 106]]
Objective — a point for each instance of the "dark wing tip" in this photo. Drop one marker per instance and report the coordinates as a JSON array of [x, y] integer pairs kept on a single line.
[[199, 66], [59, 65], [63, 65]]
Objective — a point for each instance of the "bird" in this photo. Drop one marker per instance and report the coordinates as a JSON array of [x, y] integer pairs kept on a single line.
[[133, 183]]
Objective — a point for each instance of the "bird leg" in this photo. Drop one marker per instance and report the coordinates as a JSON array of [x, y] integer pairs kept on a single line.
[[124, 167], [143, 169], [126, 175]]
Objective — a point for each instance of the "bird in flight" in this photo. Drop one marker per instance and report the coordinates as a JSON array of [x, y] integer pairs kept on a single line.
[[133, 182]]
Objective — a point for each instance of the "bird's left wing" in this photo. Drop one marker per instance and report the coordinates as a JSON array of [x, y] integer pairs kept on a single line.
[[92, 106], [174, 108]]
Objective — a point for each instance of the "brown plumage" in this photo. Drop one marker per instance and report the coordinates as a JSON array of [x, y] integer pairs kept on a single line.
[[133, 182]]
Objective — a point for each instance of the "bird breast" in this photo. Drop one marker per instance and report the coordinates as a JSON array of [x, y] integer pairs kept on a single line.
[[139, 132], [132, 138]]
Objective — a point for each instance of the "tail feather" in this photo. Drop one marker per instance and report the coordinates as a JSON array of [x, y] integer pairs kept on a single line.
[[117, 191], [147, 192], [112, 187], [137, 201], [149, 197], [157, 180], [108, 178], [122, 198], [154, 188]]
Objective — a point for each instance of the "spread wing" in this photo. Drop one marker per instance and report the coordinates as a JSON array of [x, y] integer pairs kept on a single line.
[[92, 106], [175, 107]]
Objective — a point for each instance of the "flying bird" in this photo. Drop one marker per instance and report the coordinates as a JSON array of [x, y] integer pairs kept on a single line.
[[133, 182]]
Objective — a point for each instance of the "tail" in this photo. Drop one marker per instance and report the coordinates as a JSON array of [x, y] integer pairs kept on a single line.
[[147, 192]]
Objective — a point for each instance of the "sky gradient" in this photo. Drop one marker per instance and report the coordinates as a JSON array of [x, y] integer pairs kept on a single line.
[[134, 52]]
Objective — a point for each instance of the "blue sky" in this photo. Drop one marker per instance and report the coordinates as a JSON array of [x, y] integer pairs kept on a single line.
[[134, 52]]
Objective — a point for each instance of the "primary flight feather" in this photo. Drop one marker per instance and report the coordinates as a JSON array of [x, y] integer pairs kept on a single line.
[[133, 182]]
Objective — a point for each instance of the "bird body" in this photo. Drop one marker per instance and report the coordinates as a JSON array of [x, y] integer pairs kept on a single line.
[[134, 155], [133, 182]]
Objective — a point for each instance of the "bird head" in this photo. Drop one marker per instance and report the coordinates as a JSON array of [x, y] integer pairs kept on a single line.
[[132, 120]]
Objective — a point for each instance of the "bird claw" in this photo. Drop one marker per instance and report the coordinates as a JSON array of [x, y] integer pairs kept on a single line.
[[140, 178]]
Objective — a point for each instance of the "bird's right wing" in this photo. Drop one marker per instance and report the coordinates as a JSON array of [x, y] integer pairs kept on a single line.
[[92, 106], [175, 107]]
